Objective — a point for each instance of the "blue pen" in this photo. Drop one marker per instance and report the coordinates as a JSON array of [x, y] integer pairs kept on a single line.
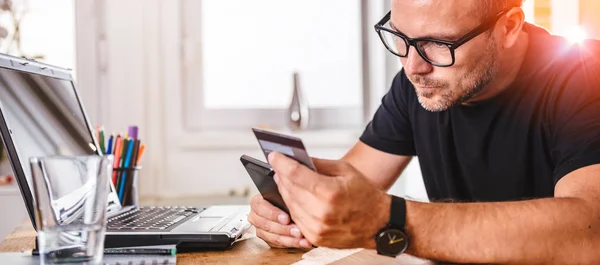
[[125, 165], [109, 147]]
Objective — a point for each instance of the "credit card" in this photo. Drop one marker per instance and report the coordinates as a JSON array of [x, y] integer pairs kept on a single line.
[[288, 145]]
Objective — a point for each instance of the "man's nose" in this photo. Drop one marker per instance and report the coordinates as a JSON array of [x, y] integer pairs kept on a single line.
[[414, 64]]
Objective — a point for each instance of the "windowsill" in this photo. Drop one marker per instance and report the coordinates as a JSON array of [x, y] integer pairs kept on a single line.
[[9, 190], [235, 139]]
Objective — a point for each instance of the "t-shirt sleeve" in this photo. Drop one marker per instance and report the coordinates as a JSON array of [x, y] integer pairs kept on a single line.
[[390, 129], [575, 126]]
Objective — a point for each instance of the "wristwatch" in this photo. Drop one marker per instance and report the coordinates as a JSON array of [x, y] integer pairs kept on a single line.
[[392, 240]]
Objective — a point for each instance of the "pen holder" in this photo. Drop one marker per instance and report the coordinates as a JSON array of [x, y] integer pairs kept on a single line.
[[127, 185]]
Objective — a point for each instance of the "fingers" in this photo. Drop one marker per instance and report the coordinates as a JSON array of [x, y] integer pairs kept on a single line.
[[298, 174], [286, 166], [272, 228], [266, 225], [300, 202], [268, 211], [279, 241]]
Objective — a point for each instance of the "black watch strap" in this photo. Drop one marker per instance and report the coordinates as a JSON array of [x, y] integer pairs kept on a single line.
[[392, 240], [398, 213]]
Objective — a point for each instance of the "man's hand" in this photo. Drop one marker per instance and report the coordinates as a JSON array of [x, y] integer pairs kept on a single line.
[[273, 225], [336, 208]]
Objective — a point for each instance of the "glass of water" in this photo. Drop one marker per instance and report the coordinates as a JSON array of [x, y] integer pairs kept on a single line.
[[71, 201]]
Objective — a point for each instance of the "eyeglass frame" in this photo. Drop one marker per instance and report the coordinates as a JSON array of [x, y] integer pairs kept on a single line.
[[452, 45]]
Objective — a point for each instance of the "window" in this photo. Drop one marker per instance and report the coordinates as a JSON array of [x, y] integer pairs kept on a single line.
[[239, 58], [561, 17], [46, 31], [543, 13]]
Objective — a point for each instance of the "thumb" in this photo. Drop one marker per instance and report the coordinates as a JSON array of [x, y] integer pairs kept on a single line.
[[331, 167]]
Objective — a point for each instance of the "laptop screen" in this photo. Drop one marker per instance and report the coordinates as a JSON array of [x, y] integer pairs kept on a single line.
[[42, 117]]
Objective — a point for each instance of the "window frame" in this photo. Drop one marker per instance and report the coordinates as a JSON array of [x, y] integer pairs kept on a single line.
[[197, 117]]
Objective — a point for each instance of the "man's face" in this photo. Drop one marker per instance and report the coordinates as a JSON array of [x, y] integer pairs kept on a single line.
[[439, 88]]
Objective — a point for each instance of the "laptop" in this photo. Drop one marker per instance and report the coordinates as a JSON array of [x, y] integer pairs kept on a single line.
[[41, 115]]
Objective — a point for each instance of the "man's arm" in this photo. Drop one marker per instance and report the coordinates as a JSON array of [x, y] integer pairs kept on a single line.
[[341, 208], [560, 230], [273, 225], [381, 168]]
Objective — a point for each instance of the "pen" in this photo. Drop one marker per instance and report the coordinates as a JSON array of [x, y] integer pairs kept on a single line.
[[133, 132], [136, 152], [130, 251], [66, 252], [126, 165], [140, 153], [122, 154], [109, 147], [140, 251], [124, 148], [132, 164], [98, 132], [102, 141], [117, 153]]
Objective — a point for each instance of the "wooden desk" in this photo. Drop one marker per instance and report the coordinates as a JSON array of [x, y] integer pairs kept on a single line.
[[251, 250]]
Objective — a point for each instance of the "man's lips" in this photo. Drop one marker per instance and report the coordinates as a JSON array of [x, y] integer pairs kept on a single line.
[[425, 88]]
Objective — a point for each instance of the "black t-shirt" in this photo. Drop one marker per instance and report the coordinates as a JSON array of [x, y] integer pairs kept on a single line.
[[515, 146]]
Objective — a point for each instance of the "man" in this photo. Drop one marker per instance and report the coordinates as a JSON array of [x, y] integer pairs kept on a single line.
[[505, 120]]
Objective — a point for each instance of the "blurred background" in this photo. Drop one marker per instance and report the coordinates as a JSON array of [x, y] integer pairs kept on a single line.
[[196, 75]]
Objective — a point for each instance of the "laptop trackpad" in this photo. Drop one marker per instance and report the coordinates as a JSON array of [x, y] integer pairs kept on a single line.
[[220, 211], [198, 224]]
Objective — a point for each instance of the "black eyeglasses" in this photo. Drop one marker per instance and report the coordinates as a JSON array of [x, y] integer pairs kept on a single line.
[[436, 52]]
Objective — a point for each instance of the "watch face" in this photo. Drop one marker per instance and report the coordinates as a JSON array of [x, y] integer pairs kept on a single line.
[[392, 242]]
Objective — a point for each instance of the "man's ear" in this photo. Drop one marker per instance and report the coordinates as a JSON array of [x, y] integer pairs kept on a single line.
[[512, 27]]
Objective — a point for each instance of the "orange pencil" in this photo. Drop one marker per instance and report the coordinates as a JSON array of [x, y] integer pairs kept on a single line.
[[140, 153], [117, 155], [98, 133]]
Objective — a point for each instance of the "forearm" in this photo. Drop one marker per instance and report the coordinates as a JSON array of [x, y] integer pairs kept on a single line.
[[380, 168], [544, 231], [382, 180]]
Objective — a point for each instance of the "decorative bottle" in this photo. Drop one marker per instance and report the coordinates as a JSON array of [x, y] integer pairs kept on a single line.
[[298, 111]]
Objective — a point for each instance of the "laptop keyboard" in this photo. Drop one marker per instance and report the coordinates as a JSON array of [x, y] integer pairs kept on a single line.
[[151, 218]]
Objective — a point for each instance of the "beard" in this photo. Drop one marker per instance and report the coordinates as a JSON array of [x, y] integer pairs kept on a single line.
[[444, 95]]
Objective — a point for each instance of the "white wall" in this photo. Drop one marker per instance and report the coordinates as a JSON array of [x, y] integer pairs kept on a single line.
[[132, 49]]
